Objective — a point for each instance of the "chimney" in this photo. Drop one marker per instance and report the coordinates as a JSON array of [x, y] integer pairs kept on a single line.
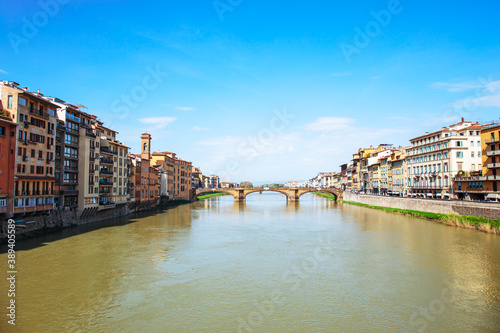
[[462, 119], [26, 88]]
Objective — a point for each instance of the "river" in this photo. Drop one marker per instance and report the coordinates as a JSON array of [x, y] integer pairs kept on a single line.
[[261, 266]]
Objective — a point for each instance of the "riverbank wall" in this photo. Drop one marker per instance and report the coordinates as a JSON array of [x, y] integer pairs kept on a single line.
[[490, 211], [30, 226]]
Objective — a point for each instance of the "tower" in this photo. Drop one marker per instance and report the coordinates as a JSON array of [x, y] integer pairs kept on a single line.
[[145, 146]]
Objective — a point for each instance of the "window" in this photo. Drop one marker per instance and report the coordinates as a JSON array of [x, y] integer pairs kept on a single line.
[[472, 143], [23, 101], [2, 130], [460, 166], [460, 154], [9, 101], [459, 144], [471, 154]]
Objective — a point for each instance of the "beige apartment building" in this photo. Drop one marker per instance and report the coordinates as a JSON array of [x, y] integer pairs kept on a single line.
[[434, 159], [113, 166]]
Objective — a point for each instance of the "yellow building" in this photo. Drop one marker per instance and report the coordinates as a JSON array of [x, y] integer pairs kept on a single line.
[[482, 185]]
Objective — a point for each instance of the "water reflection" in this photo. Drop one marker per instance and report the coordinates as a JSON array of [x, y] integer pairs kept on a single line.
[[204, 266]]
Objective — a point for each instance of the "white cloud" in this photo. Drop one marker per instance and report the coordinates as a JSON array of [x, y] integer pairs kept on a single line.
[[341, 74], [159, 122], [456, 87], [3, 72], [196, 128], [375, 77], [325, 124], [184, 108], [484, 101]]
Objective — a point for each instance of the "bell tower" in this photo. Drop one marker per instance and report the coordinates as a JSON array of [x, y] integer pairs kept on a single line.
[[146, 146]]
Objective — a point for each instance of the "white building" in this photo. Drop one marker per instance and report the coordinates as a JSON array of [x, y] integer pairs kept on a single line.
[[433, 159]]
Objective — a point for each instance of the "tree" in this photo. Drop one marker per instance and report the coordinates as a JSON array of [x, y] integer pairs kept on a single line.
[[246, 184]]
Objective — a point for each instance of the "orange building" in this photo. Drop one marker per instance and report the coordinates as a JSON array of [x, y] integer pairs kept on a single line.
[[144, 176], [34, 170], [179, 174], [7, 163]]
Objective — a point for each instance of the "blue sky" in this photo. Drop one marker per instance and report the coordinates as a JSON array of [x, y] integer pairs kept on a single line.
[[208, 78]]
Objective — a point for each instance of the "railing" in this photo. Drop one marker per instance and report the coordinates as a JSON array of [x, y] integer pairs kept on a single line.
[[109, 151], [493, 152], [90, 133], [106, 172], [74, 118], [494, 177], [39, 113], [67, 168], [105, 183], [106, 161], [428, 187], [493, 165]]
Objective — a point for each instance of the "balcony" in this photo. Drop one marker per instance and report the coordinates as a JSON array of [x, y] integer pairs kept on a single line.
[[106, 172], [428, 187], [104, 182], [105, 193], [70, 192], [493, 153], [494, 177], [493, 165], [39, 113], [492, 141], [105, 160], [71, 117], [70, 169], [50, 131], [470, 179], [107, 150], [90, 133]]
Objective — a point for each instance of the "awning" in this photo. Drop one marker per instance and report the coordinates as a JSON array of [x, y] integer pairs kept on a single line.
[[493, 196], [446, 195], [430, 194]]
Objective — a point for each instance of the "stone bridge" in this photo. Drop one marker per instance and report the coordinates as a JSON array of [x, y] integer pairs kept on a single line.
[[292, 194]]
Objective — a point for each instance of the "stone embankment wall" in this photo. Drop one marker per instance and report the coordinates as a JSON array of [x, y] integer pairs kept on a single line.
[[62, 218], [489, 211]]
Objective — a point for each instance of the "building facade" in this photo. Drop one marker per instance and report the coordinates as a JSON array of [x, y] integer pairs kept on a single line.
[[435, 158]]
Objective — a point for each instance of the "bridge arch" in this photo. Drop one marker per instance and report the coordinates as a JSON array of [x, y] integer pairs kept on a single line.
[[292, 194], [322, 190]]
